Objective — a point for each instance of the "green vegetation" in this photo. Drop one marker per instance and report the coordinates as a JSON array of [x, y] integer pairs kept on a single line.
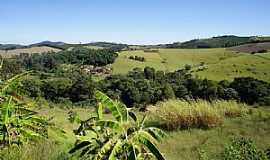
[[18, 123], [215, 64], [123, 64], [188, 144], [218, 42], [243, 149], [124, 137], [202, 98]]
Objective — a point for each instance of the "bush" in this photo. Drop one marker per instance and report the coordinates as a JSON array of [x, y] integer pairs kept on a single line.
[[250, 90], [188, 67], [262, 51], [230, 93], [53, 89], [31, 87], [243, 149], [264, 101], [137, 58]]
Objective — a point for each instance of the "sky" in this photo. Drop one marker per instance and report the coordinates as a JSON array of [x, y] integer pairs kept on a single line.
[[130, 21]]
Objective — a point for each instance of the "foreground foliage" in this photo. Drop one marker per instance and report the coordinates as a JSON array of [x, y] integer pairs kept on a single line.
[[242, 148], [123, 137], [18, 123]]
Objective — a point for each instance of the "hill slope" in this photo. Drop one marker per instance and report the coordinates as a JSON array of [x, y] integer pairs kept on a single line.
[[252, 47], [218, 42], [215, 64], [31, 50]]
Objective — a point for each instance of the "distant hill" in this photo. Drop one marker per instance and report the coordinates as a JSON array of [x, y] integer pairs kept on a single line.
[[252, 47], [214, 42], [45, 43], [111, 45], [218, 42], [10, 46]]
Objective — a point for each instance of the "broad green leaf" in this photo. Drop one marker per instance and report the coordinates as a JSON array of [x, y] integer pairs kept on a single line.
[[152, 148], [79, 146], [108, 124], [158, 134], [118, 111], [116, 149], [100, 111], [132, 153]]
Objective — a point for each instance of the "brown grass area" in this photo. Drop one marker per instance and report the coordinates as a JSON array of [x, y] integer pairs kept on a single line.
[[176, 114], [10, 53]]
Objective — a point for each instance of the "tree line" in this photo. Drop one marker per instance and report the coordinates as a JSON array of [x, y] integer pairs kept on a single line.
[[141, 87], [48, 62]]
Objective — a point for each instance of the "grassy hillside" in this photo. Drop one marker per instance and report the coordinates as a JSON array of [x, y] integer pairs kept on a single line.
[[256, 66], [196, 143], [218, 42], [187, 144], [218, 63], [30, 50], [123, 64]]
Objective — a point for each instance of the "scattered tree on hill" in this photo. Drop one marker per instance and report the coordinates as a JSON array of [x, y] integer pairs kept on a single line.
[[137, 58]]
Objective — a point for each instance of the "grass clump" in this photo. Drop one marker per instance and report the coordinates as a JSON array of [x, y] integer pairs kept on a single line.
[[177, 114]]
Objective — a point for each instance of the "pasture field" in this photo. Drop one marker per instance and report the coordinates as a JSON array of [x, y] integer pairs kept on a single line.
[[215, 64], [243, 66], [10, 53], [123, 64], [189, 144], [193, 144]]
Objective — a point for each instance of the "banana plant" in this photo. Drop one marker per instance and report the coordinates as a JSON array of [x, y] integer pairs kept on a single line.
[[121, 137], [18, 122]]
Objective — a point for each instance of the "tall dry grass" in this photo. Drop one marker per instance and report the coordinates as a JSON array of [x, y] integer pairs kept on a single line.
[[177, 114]]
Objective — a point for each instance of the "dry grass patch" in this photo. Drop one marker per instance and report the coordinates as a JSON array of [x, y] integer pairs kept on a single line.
[[43, 49], [177, 114]]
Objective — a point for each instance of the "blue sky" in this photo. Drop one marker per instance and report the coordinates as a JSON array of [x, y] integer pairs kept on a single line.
[[130, 21]]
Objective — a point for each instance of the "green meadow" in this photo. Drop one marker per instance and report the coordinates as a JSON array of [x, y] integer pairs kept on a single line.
[[189, 144], [215, 64]]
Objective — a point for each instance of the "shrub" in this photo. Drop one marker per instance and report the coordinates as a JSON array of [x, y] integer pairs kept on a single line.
[[230, 93], [188, 67], [243, 149], [250, 90], [31, 87], [137, 58], [262, 51], [264, 101]]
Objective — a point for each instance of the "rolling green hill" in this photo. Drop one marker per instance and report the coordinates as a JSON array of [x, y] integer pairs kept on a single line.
[[219, 42], [215, 64]]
